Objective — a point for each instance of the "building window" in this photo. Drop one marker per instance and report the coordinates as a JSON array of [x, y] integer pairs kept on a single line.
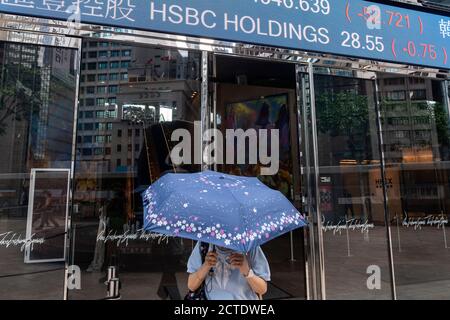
[[119, 148], [113, 89], [119, 133], [90, 102], [87, 139], [90, 90], [114, 65], [130, 148], [418, 95], [98, 151], [104, 44], [92, 66], [394, 81], [100, 114], [93, 44], [99, 139], [112, 101], [416, 80], [100, 126], [92, 54], [100, 101], [101, 89], [89, 114], [112, 114], [137, 132], [102, 77], [126, 53], [86, 152], [130, 132], [125, 64], [124, 76], [107, 151], [115, 53], [88, 126], [103, 54], [396, 95], [91, 77], [103, 65], [118, 162], [114, 77]]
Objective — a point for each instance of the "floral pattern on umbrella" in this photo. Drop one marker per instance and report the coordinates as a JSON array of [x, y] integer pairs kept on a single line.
[[239, 213]]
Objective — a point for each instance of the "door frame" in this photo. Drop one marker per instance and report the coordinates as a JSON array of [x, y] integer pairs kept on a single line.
[[296, 153]]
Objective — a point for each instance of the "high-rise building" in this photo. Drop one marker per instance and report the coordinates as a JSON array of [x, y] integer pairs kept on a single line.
[[104, 67], [123, 89]]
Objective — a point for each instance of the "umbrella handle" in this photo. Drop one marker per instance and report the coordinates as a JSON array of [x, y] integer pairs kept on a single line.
[[211, 271]]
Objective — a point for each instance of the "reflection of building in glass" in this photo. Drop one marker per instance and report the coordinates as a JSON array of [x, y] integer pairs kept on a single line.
[[104, 66], [416, 137], [124, 89], [37, 108], [408, 115]]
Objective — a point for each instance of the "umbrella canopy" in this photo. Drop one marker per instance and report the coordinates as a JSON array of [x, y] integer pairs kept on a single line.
[[239, 213]]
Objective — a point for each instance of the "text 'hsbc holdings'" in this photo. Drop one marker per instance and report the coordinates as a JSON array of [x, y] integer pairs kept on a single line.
[[355, 28]]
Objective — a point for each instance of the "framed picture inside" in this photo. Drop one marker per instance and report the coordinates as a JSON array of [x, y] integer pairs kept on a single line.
[[269, 113]]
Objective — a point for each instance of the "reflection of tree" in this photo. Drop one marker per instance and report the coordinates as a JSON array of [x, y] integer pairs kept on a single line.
[[343, 114], [440, 116], [18, 95]]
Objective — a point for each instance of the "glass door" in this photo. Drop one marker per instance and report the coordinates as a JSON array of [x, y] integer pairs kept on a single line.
[[251, 95], [349, 247], [132, 101], [38, 94], [416, 144]]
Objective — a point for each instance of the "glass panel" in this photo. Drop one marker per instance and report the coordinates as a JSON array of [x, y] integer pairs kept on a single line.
[[47, 214], [417, 150], [351, 204], [257, 95], [129, 152], [37, 101]]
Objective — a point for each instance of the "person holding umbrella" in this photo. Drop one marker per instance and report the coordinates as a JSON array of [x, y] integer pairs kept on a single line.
[[230, 217], [229, 275]]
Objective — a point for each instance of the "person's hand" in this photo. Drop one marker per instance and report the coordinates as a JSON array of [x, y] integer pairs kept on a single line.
[[238, 260], [211, 259]]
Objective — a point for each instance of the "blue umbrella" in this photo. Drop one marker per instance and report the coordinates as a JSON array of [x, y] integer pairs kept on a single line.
[[239, 213]]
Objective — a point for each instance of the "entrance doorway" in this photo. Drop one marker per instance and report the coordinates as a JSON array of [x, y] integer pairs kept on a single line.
[[252, 94]]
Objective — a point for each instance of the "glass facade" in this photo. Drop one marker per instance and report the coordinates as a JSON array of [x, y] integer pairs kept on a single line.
[[132, 128], [353, 220], [416, 132], [37, 93], [363, 154]]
